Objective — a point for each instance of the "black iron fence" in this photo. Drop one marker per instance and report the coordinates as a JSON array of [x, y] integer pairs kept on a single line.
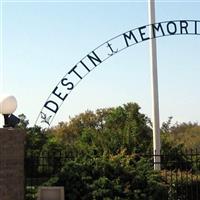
[[180, 172]]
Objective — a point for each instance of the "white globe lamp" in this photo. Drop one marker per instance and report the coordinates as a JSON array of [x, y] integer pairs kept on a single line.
[[8, 105]]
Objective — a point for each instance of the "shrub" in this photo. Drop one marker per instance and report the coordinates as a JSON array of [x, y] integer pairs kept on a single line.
[[115, 177]]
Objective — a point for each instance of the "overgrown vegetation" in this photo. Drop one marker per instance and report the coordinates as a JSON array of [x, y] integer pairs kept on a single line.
[[106, 151]]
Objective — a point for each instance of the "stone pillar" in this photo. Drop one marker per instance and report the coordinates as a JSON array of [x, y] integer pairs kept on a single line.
[[12, 164]]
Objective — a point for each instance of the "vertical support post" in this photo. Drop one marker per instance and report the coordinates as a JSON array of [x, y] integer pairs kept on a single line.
[[155, 101], [11, 164]]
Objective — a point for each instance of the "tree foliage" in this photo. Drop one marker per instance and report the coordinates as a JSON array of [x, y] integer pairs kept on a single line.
[[106, 151], [114, 177], [108, 130]]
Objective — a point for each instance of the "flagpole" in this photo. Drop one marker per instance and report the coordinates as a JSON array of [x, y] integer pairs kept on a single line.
[[154, 79]]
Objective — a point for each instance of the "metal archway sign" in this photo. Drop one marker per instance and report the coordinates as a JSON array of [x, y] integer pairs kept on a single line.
[[106, 50]]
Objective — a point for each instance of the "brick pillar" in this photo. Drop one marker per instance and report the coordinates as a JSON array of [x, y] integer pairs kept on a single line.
[[11, 164]]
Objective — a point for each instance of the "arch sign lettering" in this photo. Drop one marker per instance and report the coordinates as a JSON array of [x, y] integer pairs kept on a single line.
[[106, 50]]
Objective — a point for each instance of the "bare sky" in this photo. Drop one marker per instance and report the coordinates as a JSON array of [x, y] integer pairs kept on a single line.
[[41, 41]]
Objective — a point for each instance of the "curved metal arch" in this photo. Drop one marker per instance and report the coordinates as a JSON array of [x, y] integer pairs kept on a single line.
[[104, 51]]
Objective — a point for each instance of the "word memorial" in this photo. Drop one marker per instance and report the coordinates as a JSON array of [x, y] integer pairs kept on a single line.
[[105, 51]]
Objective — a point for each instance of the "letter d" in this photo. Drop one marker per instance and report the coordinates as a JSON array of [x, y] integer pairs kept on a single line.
[[52, 106]]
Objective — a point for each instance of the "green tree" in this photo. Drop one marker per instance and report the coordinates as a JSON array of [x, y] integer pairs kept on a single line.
[[24, 122], [108, 130], [114, 177]]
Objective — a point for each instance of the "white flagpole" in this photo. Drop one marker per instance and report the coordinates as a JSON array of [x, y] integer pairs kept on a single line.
[[155, 101]]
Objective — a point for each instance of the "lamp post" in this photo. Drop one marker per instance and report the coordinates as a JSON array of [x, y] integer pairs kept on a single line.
[[11, 152], [8, 105]]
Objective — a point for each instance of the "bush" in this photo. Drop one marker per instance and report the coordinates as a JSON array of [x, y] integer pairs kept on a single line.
[[115, 177], [182, 184]]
